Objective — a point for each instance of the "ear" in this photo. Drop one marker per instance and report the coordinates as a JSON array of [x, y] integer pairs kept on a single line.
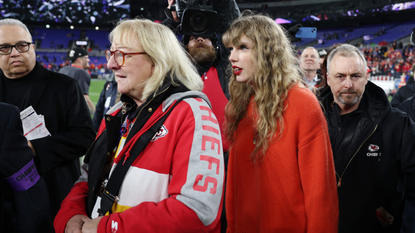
[[328, 78], [367, 77]]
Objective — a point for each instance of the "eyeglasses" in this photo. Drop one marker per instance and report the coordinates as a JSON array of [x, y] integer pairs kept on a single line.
[[119, 56], [21, 47]]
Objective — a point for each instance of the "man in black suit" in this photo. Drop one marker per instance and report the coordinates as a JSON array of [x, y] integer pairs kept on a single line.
[[29, 210], [25, 82]]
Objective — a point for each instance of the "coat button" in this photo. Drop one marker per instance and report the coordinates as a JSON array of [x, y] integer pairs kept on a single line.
[[150, 109], [108, 153], [108, 119]]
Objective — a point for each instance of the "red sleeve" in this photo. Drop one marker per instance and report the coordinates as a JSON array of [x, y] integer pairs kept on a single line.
[[168, 214], [73, 204], [315, 161]]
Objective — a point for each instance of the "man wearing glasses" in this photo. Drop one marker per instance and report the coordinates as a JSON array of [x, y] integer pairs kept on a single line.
[[24, 82]]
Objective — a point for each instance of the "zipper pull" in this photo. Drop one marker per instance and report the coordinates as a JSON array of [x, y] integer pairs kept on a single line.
[[339, 184], [125, 158]]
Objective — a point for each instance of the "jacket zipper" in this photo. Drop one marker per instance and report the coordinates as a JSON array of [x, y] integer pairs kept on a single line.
[[125, 157], [93, 143], [339, 184]]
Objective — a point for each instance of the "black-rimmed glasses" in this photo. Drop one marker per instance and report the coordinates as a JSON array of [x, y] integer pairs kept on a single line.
[[119, 56], [21, 47]]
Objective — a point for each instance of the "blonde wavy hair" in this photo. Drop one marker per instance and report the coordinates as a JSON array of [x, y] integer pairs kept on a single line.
[[166, 52], [276, 71]]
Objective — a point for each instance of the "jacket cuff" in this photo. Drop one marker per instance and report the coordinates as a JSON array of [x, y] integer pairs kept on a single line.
[[102, 226]]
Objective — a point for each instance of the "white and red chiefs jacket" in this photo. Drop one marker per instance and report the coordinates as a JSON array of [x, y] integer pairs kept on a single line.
[[174, 185]]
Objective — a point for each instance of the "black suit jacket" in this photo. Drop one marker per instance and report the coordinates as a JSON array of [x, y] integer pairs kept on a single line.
[[23, 210], [58, 98]]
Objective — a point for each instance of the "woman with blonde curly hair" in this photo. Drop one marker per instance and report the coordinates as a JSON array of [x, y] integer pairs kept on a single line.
[[281, 175]]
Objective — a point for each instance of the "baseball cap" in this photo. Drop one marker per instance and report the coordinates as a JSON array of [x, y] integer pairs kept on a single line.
[[74, 53], [322, 53]]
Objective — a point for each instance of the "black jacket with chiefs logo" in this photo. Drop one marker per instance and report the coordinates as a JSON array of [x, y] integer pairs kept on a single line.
[[374, 152]]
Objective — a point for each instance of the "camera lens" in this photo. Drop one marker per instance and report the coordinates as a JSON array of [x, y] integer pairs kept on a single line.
[[198, 22]]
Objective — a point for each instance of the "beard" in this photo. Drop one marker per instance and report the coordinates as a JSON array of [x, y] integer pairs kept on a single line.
[[349, 101], [203, 56]]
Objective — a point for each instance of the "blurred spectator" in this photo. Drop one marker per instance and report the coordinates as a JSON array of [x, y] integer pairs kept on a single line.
[[404, 92], [29, 211], [309, 63], [107, 99], [80, 62], [408, 223]]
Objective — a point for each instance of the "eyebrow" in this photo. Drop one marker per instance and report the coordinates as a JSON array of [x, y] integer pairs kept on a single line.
[[353, 74], [119, 47], [244, 43], [20, 41]]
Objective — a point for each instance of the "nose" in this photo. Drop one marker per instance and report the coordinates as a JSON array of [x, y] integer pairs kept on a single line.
[[348, 83], [111, 64], [200, 39], [232, 56], [14, 52]]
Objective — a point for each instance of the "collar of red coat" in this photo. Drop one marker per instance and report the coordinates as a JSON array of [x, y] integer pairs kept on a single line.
[[77, 66]]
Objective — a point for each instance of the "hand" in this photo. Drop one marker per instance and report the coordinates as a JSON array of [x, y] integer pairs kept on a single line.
[[170, 2], [32, 147], [175, 17], [172, 14], [74, 224], [91, 226]]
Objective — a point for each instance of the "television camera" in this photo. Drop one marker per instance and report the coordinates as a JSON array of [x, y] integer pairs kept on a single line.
[[196, 21]]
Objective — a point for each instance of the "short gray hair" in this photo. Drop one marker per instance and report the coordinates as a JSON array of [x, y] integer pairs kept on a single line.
[[345, 50], [15, 22], [311, 47]]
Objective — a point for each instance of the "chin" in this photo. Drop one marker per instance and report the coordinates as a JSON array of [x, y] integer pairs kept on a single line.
[[241, 80]]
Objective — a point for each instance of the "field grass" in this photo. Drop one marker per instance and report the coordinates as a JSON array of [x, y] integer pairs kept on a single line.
[[95, 89]]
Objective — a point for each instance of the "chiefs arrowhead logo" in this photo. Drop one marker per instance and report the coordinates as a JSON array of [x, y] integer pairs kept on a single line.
[[161, 133], [373, 147]]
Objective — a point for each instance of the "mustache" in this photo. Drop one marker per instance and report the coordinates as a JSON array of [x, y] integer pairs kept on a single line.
[[200, 44], [349, 92]]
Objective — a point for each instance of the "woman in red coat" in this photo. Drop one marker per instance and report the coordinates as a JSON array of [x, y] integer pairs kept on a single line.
[[281, 175]]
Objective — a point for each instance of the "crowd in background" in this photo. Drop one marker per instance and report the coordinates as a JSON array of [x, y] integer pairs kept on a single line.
[[392, 60], [389, 59], [64, 11], [96, 70]]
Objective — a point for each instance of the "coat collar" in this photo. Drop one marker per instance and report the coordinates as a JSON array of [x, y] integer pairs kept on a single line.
[[378, 103], [375, 108], [37, 86]]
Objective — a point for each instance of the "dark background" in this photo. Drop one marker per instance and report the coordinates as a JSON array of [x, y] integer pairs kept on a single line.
[[91, 13]]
